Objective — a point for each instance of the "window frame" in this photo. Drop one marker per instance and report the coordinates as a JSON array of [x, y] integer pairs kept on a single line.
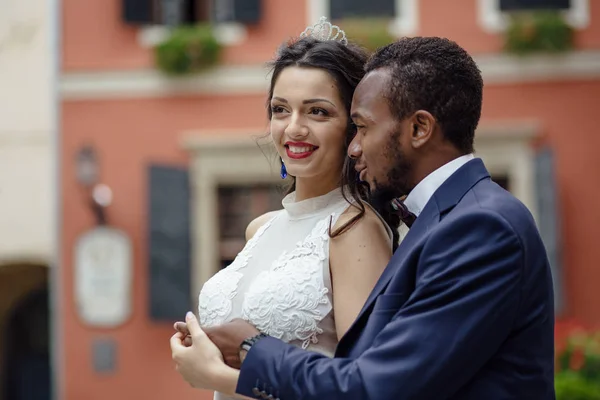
[[493, 20], [233, 159], [227, 33], [405, 22], [506, 150], [227, 159]]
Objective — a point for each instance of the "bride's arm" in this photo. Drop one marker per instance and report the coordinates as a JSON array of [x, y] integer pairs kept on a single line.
[[357, 258]]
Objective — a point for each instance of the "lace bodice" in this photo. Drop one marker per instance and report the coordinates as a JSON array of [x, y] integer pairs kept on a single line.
[[280, 281]]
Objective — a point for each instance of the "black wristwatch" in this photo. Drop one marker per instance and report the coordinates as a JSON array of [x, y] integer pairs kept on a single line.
[[248, 343]]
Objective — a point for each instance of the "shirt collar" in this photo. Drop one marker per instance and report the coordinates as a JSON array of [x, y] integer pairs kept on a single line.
[[420, 195]]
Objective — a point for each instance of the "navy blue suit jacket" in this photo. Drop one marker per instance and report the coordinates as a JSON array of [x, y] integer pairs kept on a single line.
[[464, 310]]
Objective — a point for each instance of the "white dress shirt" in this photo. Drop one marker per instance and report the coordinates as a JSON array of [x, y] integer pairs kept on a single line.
[[420, 195]]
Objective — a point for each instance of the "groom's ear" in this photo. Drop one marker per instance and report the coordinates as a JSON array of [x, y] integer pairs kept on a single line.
[[422, 125]]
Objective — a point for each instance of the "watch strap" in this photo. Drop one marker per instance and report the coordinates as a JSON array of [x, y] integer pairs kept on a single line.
[[249, 342]]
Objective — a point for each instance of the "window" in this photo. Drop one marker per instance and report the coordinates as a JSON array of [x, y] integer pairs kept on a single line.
[[359, 8], [164, 12], [238, 206], [403, 13], [179, 12], [518, 5], [492, 13], [155, 16]]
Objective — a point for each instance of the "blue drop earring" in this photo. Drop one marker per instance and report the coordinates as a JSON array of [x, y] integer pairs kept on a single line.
[[283, 170]]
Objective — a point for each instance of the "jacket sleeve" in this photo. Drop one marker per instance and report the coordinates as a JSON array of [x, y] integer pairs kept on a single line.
[[462, 309]]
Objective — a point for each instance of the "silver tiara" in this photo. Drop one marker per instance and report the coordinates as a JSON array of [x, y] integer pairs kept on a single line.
[[323, 30]]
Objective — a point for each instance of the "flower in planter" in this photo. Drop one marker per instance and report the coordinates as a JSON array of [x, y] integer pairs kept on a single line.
[[578, 374], [371, 33], [571, 386], [188, 49], [543, 31]]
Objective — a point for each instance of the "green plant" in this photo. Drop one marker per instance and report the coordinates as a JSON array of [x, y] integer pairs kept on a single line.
[[188, 49], [371, 33], [571, 386], [543, 31], [578, 376]]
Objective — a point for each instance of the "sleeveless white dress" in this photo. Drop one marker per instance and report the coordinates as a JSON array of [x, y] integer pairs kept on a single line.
[[280, 282]]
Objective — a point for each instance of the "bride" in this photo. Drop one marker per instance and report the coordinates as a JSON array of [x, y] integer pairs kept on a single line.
[[306, 270]]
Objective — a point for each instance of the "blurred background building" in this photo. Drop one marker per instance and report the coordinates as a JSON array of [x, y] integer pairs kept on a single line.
[[27, 195], [162, 163]]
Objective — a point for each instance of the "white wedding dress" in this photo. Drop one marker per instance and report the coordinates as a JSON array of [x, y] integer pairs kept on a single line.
[[280, 281]]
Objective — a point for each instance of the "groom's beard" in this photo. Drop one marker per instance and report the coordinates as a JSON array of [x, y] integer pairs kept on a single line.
[[380, 197], [396, 184]]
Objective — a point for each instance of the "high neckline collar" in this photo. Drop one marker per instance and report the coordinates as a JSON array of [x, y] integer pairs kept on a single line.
[[312, 206]]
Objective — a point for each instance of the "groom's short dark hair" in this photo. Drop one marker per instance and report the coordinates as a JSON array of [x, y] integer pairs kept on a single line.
[[436, 75]]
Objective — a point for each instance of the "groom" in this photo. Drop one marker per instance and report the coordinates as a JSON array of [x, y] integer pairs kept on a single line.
[[464, 309]]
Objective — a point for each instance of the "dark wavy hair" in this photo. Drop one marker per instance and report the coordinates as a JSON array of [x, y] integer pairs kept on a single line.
[[437, 75], [345, 64]]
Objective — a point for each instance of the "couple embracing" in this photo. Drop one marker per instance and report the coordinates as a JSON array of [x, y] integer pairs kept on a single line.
[[325, 301]]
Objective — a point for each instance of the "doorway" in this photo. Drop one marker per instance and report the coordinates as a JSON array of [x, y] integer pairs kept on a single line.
[[25, 370]]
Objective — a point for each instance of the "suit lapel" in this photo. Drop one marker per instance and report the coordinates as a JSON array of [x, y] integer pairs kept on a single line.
[[428, 218], [442, 201]]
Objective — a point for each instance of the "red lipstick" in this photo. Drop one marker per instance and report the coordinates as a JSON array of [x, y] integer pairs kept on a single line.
[[298, 150]]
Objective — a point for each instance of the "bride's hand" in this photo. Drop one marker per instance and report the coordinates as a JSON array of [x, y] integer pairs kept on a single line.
[[201, 364], [181, 326]]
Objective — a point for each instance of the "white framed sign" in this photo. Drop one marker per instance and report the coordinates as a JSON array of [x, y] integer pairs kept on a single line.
[[103, 269]]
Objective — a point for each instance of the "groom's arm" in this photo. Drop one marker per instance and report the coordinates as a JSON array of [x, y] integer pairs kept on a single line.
[[461, 311]]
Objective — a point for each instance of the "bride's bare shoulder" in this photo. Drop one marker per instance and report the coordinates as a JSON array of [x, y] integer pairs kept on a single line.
[[257, 222], [369, 224]]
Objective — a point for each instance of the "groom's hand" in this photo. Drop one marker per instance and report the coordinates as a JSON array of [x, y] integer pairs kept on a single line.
[[229, 337]]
